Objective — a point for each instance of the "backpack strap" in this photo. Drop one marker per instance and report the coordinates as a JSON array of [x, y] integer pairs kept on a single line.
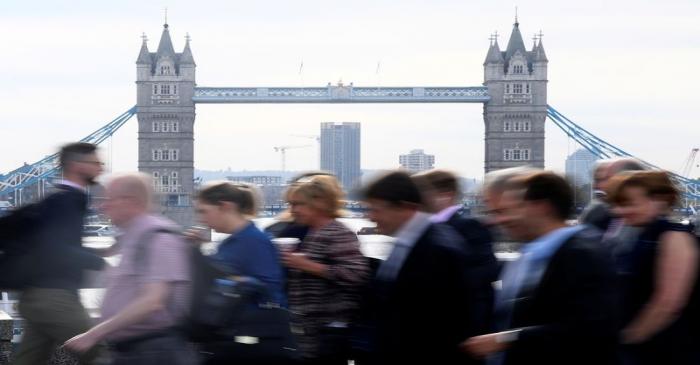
[[140, 258]]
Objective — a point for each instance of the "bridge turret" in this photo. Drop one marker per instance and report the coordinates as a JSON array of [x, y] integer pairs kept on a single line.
[[514, 116], [493, 65], [144, 63], [540, 61], [165, 86]]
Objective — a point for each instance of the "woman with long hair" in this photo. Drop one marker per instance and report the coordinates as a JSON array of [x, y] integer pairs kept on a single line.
[[657, 273]]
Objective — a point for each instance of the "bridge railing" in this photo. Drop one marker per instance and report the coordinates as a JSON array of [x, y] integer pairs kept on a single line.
[[341, 94]]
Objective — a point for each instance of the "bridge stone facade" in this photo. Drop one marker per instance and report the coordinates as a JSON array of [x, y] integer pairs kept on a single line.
[[515, 114], [165, 83], [514, 94]]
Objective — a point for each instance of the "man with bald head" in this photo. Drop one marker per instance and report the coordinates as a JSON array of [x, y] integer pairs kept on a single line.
[[147, 293], [597, 213]]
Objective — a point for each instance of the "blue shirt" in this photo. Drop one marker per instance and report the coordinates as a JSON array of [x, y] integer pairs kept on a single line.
[[250, 252]]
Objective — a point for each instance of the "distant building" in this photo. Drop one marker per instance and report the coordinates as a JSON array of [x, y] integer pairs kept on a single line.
[[262, 180], [340, 151], [579, 167], [417, 160]]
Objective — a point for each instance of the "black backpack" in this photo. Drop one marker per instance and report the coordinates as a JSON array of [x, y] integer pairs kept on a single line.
[[230, 316], [19, 232], [233, 320]]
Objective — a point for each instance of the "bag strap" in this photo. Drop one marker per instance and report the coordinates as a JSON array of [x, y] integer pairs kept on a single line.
[[140, 257]]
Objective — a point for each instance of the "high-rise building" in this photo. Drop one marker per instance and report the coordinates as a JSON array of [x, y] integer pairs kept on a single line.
[[340, 151], [417, 160], [579, 167]]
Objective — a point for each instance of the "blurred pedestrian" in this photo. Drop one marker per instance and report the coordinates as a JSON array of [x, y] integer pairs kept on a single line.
[[50, 304], [148, 292], [657, 273], [228, 208], [598, 213], [442, 197], [424, 304], [326, 273], [285, 225], [557, 300]]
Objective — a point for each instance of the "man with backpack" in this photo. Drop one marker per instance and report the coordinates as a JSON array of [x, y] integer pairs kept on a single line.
[[44, 258], [148, 293]]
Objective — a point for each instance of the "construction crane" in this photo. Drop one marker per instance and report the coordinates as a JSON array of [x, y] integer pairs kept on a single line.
[[689, 162], [283, 152], [316, 138]]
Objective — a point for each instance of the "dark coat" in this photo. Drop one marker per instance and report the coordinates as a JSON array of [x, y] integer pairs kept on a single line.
[[426, 312], [570, 317]]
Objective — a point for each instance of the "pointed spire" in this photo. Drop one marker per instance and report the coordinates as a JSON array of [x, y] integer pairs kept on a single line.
[[515, 43], [186, 55], [165, 47], [540, 56], [494, 54], [144, 55]]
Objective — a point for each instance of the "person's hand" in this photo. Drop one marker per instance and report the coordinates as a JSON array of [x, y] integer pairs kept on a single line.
[[82, 342], [195, 235], [630, 336], [295, 260], [299, 261], [482, 346]]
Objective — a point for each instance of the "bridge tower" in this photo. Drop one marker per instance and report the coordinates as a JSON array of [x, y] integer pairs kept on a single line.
[[165, 82], [514, 116]]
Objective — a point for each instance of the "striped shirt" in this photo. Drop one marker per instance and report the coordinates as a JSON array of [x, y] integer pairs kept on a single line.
[[317, 302]]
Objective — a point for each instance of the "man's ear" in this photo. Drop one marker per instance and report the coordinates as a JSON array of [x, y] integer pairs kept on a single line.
[[225, 206]]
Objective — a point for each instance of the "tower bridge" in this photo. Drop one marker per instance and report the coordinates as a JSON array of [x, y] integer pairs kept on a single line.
[[513, 93]]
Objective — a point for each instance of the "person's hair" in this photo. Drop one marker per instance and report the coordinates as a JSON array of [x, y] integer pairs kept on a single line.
[[497, 181], [310, 174], [657, 185], [133, 184], [546, 186], [74, 152], [244, 196], [441, 181], [322, 192], [623, 164], [394, 187]]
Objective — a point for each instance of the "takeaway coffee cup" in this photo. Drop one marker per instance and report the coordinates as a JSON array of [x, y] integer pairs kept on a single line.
[[286, 244]]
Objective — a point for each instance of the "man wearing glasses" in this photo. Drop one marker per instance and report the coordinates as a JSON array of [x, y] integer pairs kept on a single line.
[[49, 303]]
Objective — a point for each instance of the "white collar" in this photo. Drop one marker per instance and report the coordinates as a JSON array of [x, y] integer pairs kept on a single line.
[[411, 231], [71, 184]]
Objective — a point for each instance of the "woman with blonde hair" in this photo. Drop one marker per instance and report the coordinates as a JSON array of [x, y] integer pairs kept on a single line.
[[657, 273], [326, 272]]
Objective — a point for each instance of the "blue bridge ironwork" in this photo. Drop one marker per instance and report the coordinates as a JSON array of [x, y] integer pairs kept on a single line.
[[47, 167]]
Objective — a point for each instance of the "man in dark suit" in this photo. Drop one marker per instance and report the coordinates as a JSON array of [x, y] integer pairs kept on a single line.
[[441, 196], [557, 302], [50, 304], [423, 288]]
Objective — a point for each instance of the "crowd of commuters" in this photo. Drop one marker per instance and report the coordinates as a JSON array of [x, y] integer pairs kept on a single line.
[[617, 287]]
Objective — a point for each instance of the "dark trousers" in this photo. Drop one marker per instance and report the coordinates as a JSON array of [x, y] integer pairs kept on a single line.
[[167, 349], [52, 316]]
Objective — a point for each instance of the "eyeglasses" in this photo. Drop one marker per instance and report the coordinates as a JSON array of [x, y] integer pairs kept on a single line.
[[99, 163]]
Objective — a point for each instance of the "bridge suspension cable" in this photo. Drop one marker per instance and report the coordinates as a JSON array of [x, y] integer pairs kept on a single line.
[[47, 167], [602, 149]]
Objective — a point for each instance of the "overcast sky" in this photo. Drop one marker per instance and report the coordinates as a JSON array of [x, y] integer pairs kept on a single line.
[[627, 70]]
